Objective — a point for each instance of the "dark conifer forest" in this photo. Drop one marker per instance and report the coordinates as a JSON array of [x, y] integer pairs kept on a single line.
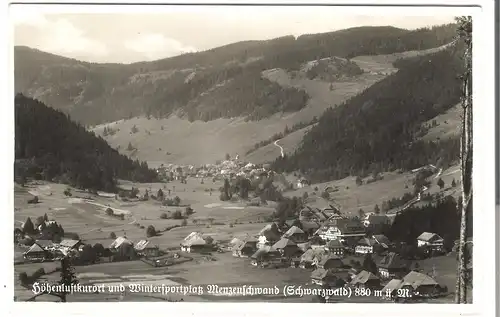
[[379, 129], [49, 146]]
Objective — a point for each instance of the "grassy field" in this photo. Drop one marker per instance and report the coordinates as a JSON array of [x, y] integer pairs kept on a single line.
[[448, 125], [352, 197]]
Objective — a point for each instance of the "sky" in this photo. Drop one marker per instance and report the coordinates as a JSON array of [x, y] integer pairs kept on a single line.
[[126, 37]]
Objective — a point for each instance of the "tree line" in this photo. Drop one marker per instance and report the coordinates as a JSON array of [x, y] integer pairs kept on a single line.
[[49, 146]]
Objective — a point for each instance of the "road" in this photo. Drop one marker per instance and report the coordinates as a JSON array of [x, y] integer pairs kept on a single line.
[[281, 148]]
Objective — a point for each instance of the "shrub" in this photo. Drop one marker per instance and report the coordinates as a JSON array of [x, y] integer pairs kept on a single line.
[[150, 231], [177, 214], [164, 215], [23, 278], [112, 235], [184, 222], [189, 211], [109, 212]]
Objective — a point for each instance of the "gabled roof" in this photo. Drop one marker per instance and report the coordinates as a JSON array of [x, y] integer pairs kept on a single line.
[[45, 243], [283, 243], [293, 230], [380, 238], [69, 243], [312, 254], [141, 245], [392, 261], [320, 274], [35, 248], [416, 279], [196, 238], [333, 259], [332, 244], [429, 237], [393, 285], [363, 277], [119, 241]]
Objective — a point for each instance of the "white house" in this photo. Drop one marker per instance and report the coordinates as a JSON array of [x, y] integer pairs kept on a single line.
[[430, 239]]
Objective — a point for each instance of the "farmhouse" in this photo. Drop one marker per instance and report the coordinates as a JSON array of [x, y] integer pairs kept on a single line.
[[196, 242], [296, 234], [327, 278], [118, 242], [45, 244], [342, 229], [302, 183], [421, 284], [335, 247], [263, 255], [431, 240], [310, 257], [366, 279], [268, 235], [392, 266], [372, 245], [245, 249], [376, 223], [286, 247], [145, 248], [36, 253], [68, 245], [390, 289], [330, 262]]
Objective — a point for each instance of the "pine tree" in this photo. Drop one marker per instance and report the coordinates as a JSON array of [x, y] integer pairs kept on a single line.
[[28, 227]]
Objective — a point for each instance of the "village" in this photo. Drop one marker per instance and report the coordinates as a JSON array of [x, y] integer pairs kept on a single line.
[[319, 247]]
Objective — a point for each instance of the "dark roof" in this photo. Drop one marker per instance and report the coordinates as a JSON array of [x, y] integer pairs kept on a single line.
[[45, 243], [382, 239], [333, 259], [334, 244], [69, 243], [375, 219], [393, 261]]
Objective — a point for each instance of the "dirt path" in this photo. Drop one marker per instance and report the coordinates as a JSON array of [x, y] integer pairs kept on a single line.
[[281, 148]]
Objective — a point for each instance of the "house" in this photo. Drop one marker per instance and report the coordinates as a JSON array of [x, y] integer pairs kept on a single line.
[[36, 253], [327, 278], [330, 262], [376, 223], [118, 242], [145, 248], [245, 249], [301, 183], [263, 255], [296, 234], [310, 257], [431, 240], [286, 247], [196, 242], [389, 291], [371, 245], [269, 235], [342, 229], [46, 244], [421, 285], [392, 266], [365, 279], [335, 247], [70, 245], [317, 243]]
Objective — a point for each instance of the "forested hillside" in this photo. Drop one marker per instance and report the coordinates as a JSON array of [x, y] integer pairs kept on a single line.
[[48, 145], [377, 130], [222, 82]]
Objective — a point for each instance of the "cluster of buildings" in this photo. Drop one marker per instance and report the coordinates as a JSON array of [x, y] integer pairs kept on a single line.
[[46, 250], [323, 247], [225, 169]]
